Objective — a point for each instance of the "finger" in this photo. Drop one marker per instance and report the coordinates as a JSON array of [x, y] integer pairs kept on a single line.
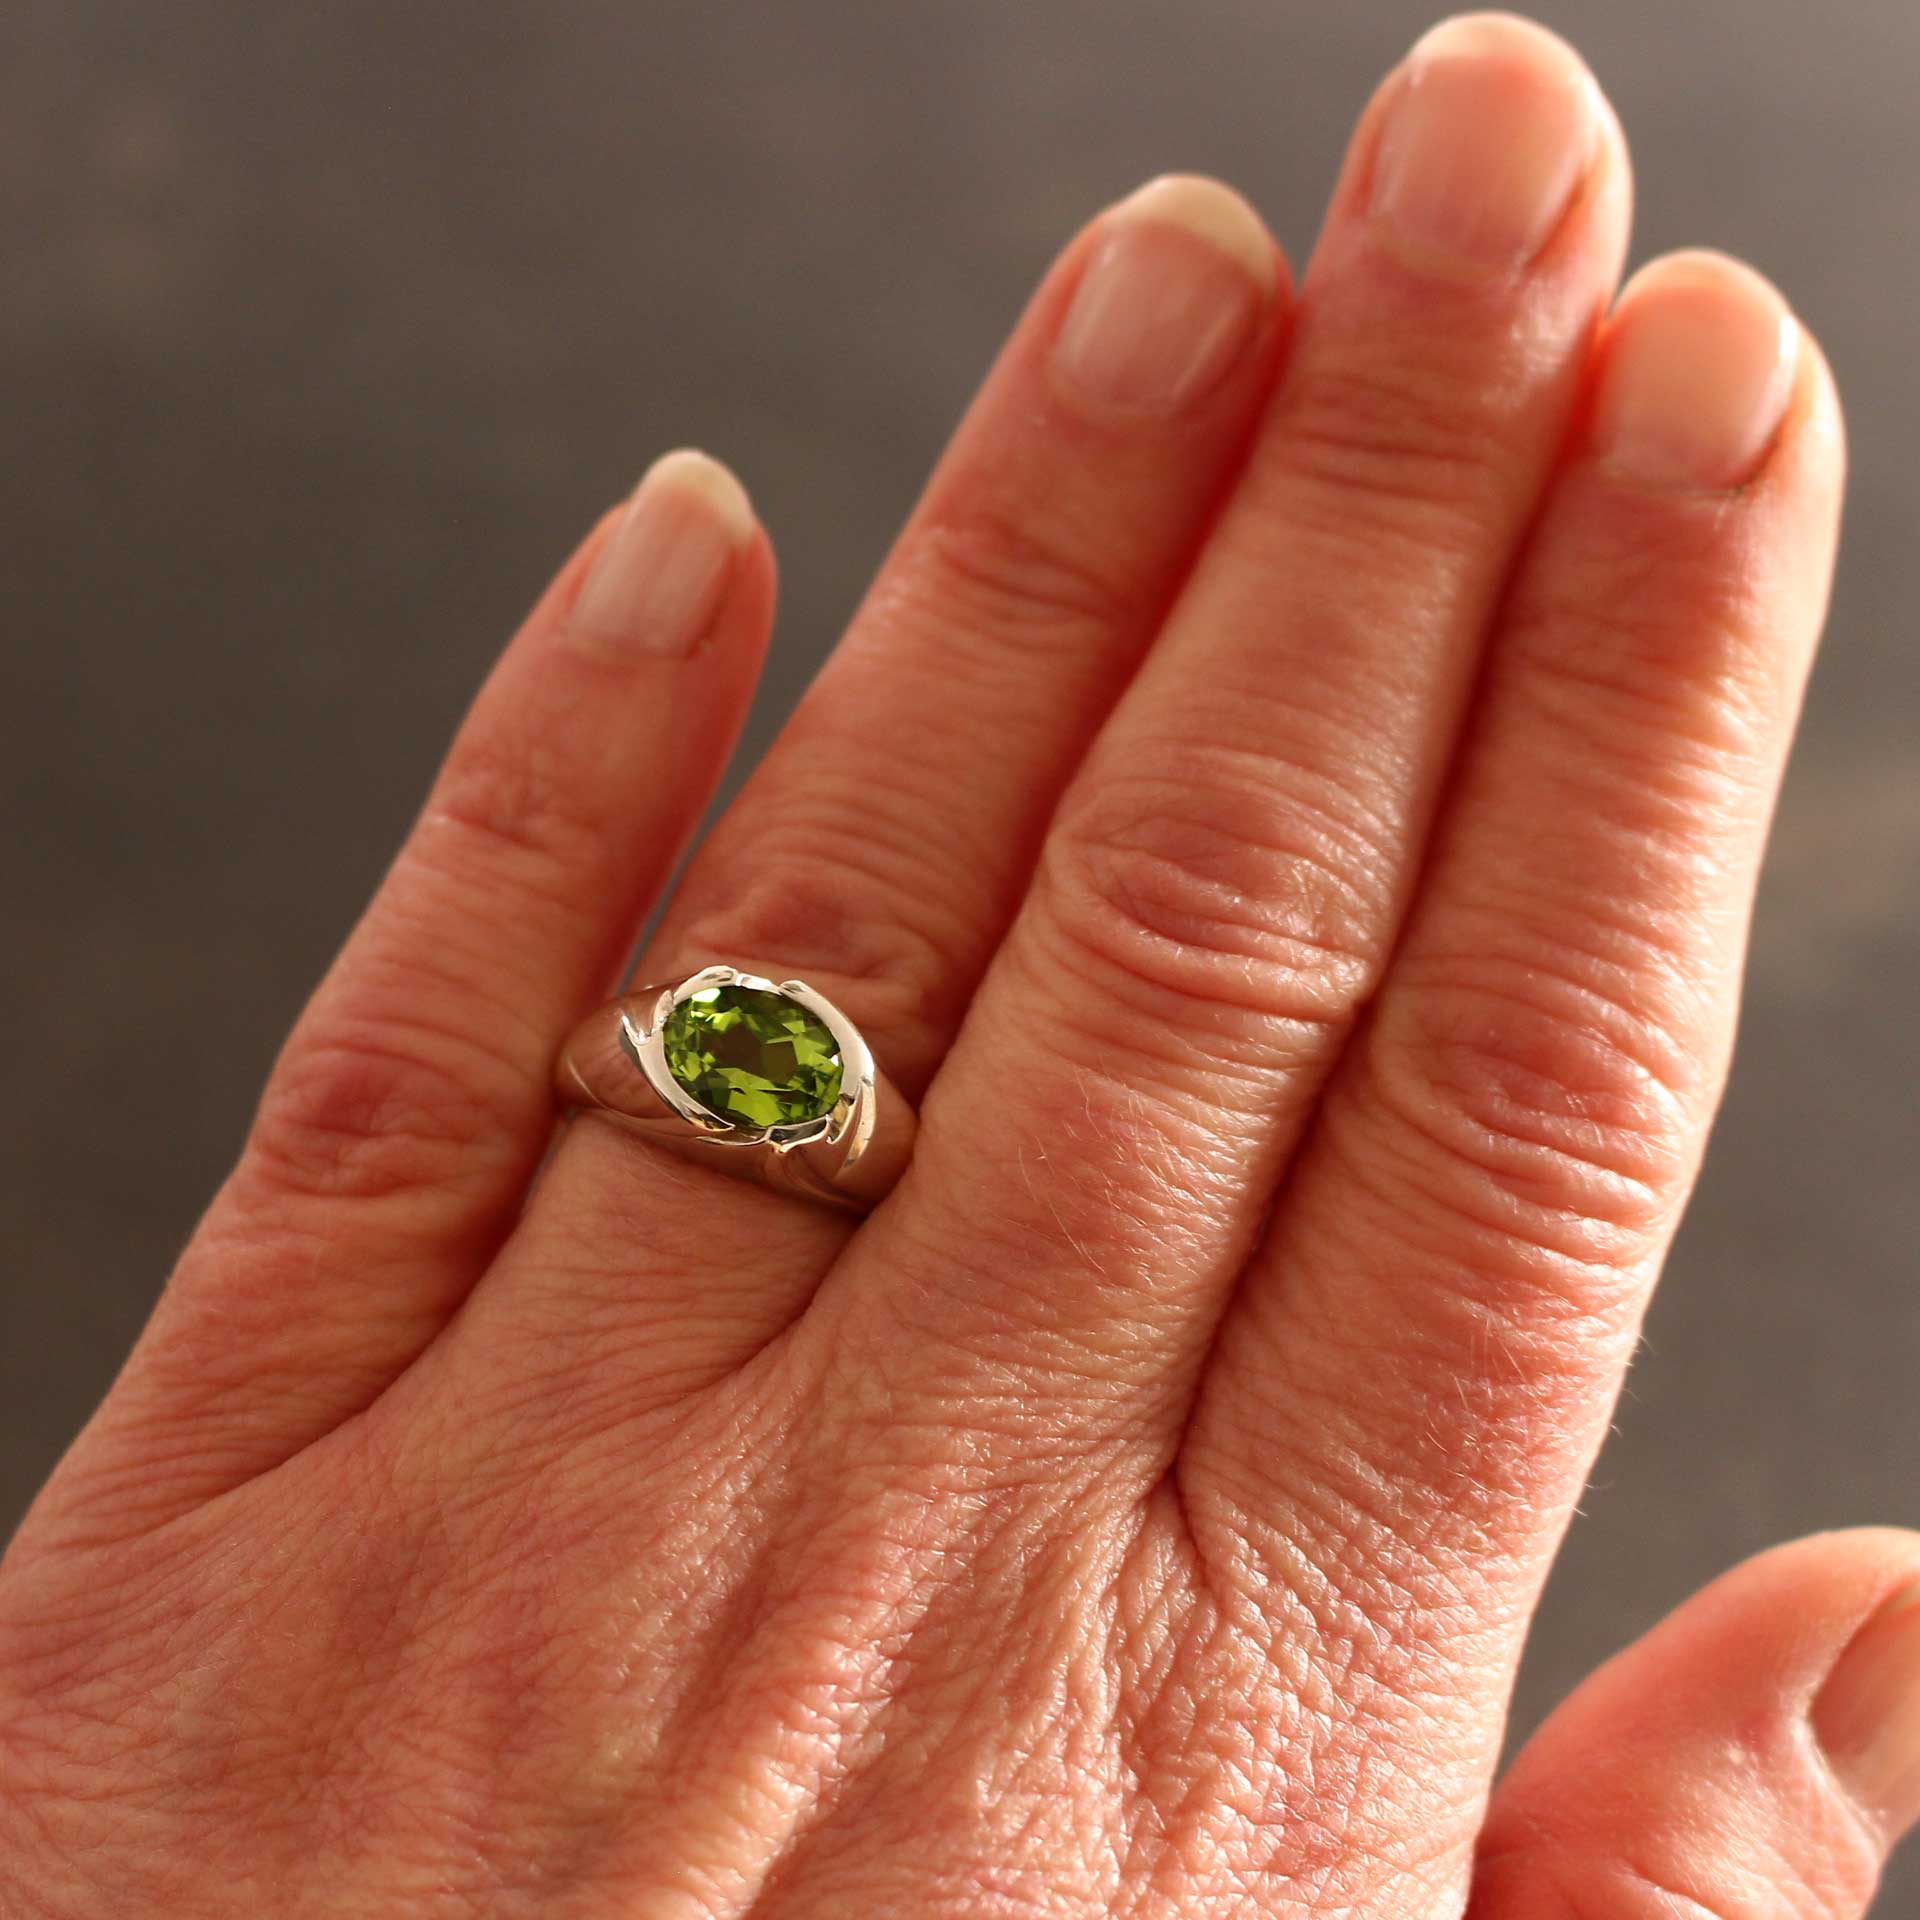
[[1225, 877], [1421, 1362], [1756, 1754], [878, 851], [410, 1106]]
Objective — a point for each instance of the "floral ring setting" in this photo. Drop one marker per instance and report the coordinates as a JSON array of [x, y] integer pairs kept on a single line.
[[766, 1079]]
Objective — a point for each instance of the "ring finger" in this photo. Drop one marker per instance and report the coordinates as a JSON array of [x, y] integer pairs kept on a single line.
[[880, 850]]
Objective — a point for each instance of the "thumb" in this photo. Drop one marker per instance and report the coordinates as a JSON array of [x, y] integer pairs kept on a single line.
[[1754, 1757]]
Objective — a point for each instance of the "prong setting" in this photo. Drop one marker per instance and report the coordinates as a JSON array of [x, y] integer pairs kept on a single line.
[[849, 1154]]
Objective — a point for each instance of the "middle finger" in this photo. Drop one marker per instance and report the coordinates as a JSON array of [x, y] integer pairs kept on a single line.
[[1226, 875]]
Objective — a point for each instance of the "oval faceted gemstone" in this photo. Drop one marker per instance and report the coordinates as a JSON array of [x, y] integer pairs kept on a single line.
[[754, 1056]]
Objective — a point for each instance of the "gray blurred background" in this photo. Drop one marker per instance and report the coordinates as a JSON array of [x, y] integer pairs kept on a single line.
[[326, 330]]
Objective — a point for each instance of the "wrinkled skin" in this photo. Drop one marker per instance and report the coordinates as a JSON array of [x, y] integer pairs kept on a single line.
[[1292, 826]]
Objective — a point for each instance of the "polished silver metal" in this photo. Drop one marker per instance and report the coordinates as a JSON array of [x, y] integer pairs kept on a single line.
[[850, 1156]]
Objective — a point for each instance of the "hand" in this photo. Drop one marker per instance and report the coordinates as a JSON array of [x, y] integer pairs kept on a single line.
[[1289, 807]]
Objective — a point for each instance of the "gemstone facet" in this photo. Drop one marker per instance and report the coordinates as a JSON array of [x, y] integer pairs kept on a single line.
[[753, 1056]]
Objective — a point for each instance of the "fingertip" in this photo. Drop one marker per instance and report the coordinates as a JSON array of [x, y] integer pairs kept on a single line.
[[1699, 367], [1172, 295], [1789, 1612], [1484, 145], [695, 475], [1766, 1733], [1211, 211], [1497, 33], [1838, 1556], [659, 578]]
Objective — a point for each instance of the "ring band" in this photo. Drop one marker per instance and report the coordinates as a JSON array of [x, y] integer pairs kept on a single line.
[[769, 1080]]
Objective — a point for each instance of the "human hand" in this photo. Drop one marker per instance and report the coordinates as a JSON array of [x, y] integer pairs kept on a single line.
[[1289, 807]]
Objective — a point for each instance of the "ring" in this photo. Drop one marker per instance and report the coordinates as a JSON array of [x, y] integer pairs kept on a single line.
[[768, 1080]]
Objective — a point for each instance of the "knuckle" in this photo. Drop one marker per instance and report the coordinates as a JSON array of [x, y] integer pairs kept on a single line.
[[1559, 1117], [362, 1109], [841, 904], [521, 810], [1215, 891], [1657, 629], [1369, 445], [1003, 574]]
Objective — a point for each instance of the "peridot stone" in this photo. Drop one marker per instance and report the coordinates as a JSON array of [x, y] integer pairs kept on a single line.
[[752, 1056]]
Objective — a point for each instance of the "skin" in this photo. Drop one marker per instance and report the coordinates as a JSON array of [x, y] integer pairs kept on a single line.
[[1338, 910]]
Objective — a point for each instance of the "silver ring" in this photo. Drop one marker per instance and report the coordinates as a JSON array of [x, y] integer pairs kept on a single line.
[[768, 1080]]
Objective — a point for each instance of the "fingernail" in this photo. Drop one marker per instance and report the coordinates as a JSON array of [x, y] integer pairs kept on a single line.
[[1171, 298], [661, 573], [1697, 374], [1493, 129], [1867, 1717]]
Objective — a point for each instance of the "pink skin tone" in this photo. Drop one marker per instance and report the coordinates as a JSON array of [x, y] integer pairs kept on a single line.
[[1307, 745]]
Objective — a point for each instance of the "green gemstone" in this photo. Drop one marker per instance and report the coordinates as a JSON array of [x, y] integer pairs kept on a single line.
[[753, 1056]]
